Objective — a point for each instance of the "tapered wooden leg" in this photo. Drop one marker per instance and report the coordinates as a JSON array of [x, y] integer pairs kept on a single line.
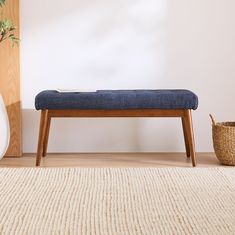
[[190, 135], [45, 144], [41, 138], [185, 137]]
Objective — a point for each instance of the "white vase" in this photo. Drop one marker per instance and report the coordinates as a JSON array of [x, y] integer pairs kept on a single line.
[[4, 129]]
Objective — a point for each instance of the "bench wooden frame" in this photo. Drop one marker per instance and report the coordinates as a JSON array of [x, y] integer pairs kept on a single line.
[[184, 114]]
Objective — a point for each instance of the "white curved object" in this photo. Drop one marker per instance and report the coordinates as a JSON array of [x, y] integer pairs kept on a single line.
[[4, 129]]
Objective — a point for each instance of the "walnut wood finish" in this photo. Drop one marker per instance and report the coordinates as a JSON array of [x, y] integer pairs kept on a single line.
[[190, 135], [45, 143], [10, 80], [42, 136], [185, 116], [118, 113], [187, 147]]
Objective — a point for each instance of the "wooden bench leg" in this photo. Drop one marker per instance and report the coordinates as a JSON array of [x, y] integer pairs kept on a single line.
[[190, 135], [45, 144], [41, 138], [185, 137]]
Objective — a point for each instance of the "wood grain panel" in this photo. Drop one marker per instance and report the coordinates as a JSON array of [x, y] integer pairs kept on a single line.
[[10, 80]]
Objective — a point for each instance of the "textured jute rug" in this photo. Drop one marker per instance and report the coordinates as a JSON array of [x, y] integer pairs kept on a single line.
[[117, 201]]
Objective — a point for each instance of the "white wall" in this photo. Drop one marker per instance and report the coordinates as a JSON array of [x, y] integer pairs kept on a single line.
[[110, 44]]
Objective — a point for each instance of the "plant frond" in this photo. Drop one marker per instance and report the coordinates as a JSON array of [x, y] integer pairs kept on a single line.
[[2, 2]]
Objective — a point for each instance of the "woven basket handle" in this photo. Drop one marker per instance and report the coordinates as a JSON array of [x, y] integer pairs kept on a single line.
[[213, 120]]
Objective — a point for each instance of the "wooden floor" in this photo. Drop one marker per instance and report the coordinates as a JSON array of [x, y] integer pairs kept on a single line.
[[113, 160]]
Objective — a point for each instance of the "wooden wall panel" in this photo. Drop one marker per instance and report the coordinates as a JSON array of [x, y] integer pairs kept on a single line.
[[10, 80]]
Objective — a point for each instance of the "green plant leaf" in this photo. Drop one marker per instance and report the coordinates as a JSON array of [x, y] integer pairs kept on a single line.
[[2, 2], [7, 29]]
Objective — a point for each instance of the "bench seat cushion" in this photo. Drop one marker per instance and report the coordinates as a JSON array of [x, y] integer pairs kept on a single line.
[[117, 99]]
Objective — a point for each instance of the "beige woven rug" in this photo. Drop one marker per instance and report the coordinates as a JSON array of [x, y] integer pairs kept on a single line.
[[117, 201]]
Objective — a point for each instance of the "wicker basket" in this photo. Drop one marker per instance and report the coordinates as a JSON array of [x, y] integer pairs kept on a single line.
[[224, 141]]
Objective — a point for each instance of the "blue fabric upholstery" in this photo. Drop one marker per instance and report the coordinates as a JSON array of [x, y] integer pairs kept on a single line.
[[117, 99]]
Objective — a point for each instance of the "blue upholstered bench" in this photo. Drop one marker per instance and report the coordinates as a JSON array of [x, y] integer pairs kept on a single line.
[[116, 103]]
